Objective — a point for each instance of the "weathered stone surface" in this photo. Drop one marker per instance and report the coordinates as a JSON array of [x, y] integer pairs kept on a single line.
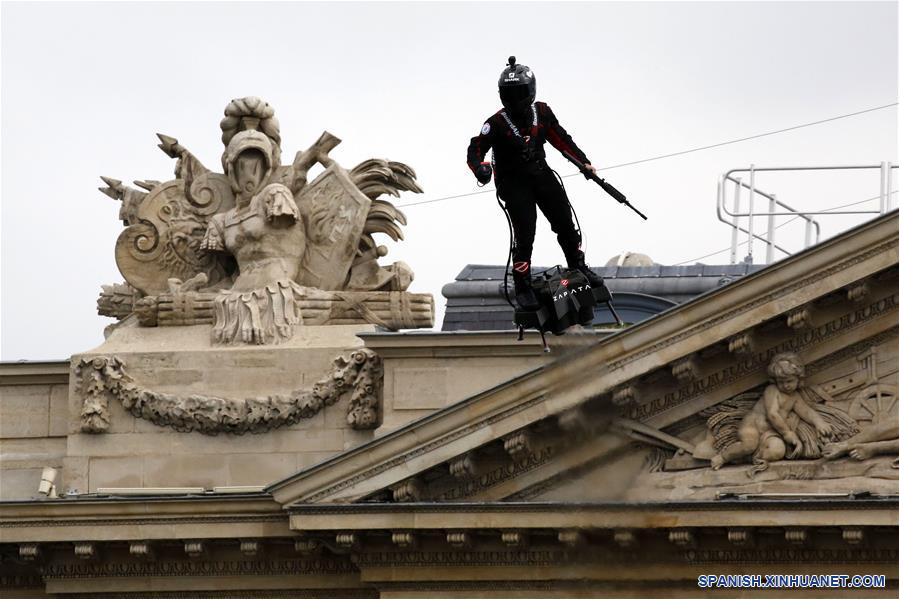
[[59, 411], [76, 473], [20, 483], [420, 388], [25, 411], [115, 472], [15, 450], [190, 470], [260, 469], [473, 361]]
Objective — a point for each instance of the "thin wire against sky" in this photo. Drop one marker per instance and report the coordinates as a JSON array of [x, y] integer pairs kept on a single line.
[[673, 154]]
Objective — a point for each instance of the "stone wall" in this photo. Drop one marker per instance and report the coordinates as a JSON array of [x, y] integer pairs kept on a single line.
[[33, 424], [426, 371], [134, 452], [41, 404]]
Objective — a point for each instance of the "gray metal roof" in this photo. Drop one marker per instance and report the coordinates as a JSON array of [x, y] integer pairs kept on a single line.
[[475, 300]]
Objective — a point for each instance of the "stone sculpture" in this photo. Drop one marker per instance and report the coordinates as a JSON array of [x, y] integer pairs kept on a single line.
[[789, 420], [258, 250], [100, 378], [877, 405], [879, 438]]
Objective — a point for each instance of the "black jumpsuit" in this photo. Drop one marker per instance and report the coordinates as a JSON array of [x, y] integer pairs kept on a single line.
[[525, 182]]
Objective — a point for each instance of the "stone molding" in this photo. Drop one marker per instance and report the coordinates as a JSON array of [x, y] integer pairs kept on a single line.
[[195, 567], [858, 291], [507, 556], [778, 293], [757, 362], [685, 369], [409, 490], [385, 466], [21, 581], [542, 516], [101, 377], [61, 524], [34, 373], [539, 545], [580, 543], [239, 594], [490, 478], [793, 554]]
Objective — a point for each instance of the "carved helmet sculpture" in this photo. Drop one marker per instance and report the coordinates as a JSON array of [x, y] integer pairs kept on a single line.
[[243, 142], [251, 113]]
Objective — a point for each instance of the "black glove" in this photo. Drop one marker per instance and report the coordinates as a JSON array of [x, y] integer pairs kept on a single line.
[[483, 173]]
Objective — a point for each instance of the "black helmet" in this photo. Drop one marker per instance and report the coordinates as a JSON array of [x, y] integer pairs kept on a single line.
[[517, 87]]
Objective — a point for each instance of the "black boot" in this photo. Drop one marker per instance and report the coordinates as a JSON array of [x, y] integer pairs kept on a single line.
[[524, 293], [577, 262]]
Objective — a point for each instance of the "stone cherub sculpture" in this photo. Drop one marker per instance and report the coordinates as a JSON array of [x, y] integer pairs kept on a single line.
[[789, 421], [258, 249]]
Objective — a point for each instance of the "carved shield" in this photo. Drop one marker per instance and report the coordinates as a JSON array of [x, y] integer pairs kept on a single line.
[[165, 241], [334, 212]]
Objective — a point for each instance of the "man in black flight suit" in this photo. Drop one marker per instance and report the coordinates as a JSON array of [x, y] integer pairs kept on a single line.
[[523, 180]]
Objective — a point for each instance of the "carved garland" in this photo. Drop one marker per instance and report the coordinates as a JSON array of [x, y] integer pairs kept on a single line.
[[101, 377]]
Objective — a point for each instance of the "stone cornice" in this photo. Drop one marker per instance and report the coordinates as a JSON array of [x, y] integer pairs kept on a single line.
[[55, 372], [460, 343], [118, 519], [561, 385], [525, 516], [98, 505]]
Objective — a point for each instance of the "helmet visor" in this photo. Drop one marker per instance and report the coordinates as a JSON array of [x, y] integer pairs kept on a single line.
[[515, 95]]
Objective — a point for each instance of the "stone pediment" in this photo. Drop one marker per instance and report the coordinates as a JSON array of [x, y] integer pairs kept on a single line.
[[600, 423]]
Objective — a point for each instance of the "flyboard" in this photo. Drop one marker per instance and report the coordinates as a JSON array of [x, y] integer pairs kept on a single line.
[[564, 295]]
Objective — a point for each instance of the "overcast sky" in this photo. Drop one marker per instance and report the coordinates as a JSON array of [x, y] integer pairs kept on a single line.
[[86, 86]]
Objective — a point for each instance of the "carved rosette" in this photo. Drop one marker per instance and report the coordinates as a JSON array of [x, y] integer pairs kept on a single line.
[[103, 377]]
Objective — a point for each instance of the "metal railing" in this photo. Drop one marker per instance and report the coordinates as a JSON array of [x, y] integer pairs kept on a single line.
[[812, 226]]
